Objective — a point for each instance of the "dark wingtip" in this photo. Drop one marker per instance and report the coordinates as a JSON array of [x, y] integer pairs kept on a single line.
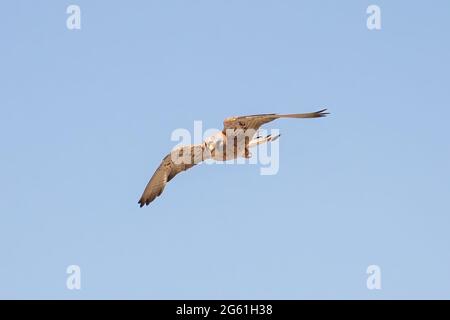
[[322, 112], [143, 202]]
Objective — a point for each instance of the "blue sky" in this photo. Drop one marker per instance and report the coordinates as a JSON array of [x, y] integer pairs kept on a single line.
[[86, 116]]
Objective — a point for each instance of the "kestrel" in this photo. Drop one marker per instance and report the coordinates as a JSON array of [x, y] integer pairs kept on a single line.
[[235, 140]]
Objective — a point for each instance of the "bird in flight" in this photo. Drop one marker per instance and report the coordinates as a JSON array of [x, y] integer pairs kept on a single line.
[[235, 140]]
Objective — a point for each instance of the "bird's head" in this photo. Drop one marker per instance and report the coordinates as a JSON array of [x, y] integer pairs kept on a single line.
[[214, 142]]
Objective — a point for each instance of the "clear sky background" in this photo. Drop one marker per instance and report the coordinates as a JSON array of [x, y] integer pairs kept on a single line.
[[86, 117]]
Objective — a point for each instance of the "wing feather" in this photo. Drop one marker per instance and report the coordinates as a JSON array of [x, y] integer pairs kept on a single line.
[[171, 165], [254, 122]]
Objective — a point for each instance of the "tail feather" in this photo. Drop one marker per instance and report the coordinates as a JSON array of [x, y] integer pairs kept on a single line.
[[260, 140]]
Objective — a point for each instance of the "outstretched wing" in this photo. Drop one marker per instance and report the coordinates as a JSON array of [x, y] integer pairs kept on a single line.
[[177, 161], [253, 122]]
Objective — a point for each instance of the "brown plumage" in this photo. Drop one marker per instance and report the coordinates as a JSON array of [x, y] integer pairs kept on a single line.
[[169, 168], [186, 157], [257, 120]]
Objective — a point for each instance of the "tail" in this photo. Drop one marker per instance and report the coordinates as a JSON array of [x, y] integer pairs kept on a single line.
[[317, 114], [258, 140]]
